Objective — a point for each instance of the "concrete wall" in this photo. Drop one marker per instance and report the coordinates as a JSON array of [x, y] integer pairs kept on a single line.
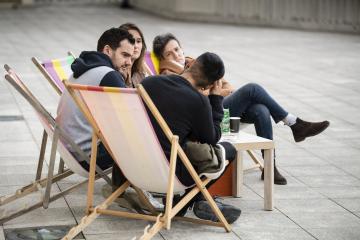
[[328, 15]]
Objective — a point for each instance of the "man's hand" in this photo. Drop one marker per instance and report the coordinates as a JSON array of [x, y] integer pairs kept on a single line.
[[126, 72], [216, 88]]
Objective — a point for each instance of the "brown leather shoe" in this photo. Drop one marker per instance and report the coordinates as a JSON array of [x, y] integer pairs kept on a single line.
[[302, 129], [278, 178]]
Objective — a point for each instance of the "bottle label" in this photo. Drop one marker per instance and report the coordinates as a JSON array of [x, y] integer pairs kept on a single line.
[[225, 123]]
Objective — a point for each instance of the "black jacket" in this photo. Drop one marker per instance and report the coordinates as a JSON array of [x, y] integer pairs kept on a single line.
[[189, 114], [91, 59]]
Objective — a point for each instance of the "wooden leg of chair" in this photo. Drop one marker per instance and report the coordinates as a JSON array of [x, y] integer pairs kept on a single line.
[[90, 194], [61, 166], [170, 191], [94, 213], [41, 156], [238, 176], [51, 168], [268, 179], [255, 159], [150, 232]]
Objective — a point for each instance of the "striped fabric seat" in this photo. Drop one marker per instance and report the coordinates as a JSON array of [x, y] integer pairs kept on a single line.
[[60, 141], [152, 63], [56, 70], [115, 114]]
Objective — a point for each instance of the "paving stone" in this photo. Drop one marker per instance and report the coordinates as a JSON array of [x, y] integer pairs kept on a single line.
[[339, 191], [308, 206], [195, 231], [257, 233], [335, 233], [2, 235], [123, 235], [315, 171], [351, 204], [309, 220], [267, 221]]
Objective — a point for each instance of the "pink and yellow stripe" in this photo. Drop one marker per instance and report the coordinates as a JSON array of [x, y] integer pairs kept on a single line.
[[152, 62], [59, 69]]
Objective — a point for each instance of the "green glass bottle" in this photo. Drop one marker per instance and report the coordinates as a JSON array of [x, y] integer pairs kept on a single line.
[[225, 123]]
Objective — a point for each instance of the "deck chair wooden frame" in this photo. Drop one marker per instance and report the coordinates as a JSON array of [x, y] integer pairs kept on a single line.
[[151, 66], [50, 68], [53, 131], [60, 74], [162, 220]]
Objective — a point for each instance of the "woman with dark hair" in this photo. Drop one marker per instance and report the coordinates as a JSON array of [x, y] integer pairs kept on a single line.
[[137, 73]]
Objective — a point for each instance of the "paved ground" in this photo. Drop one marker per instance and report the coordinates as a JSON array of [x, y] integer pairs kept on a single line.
[[312, 74]]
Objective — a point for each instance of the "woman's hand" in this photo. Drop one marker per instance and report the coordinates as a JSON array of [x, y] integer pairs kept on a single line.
[[227, 89], [216, 88]]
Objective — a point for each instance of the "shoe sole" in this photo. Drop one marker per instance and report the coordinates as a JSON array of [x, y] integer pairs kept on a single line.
[[318, 132], [211, 217]]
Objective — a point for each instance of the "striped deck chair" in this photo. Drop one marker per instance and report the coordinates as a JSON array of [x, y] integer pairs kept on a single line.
[[59, 142], [56, 70], [138, 154]]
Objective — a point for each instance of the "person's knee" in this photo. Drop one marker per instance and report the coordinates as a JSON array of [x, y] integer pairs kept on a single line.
[[230, 151], [262, 112], [252, 87]]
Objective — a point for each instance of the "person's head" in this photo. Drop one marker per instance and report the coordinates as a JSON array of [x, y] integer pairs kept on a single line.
[[118, 44], [206, 69], [140, 46], [167, 47]]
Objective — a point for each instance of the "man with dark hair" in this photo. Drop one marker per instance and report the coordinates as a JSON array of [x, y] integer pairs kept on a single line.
[[96, 68], [251, 102], [193, 117]]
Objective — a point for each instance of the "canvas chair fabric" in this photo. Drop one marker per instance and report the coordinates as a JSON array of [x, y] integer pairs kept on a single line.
[[48, 123], [56, 70], [125, 110], [152, 63], [59, 141], [115, 115]]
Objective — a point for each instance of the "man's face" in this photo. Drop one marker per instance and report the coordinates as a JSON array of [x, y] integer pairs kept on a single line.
[[173, 52], [121, 57]]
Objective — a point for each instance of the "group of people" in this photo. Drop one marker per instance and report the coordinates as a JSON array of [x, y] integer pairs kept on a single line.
[[195, 87]]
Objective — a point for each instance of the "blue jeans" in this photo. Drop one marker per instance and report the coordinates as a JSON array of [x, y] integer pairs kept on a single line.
[[254, 105]]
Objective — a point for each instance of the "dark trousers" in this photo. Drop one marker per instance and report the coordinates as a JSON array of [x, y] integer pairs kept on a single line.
[[254, 105], [103, 159]]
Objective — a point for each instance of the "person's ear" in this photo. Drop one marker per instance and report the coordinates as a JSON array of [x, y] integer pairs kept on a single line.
[[107, 50]]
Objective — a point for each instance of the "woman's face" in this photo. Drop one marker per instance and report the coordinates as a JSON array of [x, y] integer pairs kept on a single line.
[[138, 44], [173, 52]]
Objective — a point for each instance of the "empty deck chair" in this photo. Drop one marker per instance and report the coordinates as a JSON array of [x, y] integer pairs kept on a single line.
[[59, 141], [56, 70], [138, 154]]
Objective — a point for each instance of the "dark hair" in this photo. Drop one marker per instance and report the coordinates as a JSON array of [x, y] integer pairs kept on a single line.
[[207, 69], [160, 42], [113, 37], [138, 63]]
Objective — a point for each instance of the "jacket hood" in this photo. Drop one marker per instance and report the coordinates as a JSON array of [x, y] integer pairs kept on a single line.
[[88, 60]]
